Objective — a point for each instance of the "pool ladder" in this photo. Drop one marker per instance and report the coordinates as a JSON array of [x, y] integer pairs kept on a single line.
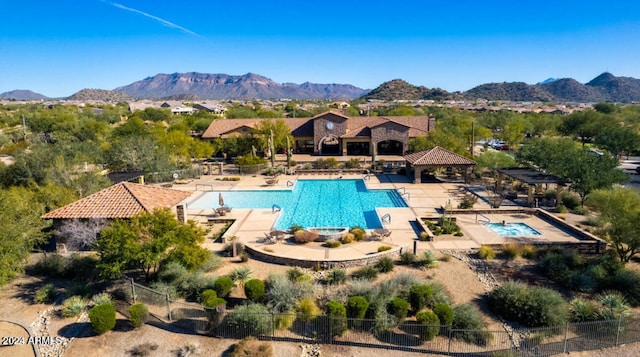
[[483, 216], [404, 192], [275, 208], [386, 217]]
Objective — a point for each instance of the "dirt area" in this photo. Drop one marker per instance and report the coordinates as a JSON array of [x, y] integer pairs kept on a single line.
[[16, 304]]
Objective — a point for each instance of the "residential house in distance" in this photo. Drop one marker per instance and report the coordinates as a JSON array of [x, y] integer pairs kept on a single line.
[[335, 134]]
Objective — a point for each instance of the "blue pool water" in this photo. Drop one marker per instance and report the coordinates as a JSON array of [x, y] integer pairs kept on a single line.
[[313, 203], [513, 229]]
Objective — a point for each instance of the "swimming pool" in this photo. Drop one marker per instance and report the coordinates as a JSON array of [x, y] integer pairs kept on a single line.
[[513, 229], [313, 203]]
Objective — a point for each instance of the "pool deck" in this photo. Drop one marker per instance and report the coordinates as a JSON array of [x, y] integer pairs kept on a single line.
[[424, 200]]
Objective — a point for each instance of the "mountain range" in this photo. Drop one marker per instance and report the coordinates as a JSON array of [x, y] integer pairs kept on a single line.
[[605, 87]]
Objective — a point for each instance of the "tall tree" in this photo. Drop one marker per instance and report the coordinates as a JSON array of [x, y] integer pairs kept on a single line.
[[147, 241], [619, 210]]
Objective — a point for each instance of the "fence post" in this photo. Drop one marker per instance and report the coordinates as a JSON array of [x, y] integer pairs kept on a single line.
[[566, 336], [618, 332], [168, 307], [449, 345], [133, 291]]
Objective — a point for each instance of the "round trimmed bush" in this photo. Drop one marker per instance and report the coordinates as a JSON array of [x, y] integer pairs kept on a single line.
[[337, 314], [103, 318], [210, 299], [357, 307], [530, 306], [398, 307], [444, 313], [431, 324], [138, 314], [254, 290], [420, 296], [223, 286]]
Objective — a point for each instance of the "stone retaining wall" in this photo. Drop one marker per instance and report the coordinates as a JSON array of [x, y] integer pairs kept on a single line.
[[324, 263]]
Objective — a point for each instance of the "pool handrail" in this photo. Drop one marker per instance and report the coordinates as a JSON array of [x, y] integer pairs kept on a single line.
[[483, 216], [388, 215]]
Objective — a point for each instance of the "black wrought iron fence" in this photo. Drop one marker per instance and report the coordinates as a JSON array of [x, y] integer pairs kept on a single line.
[[406, 336]]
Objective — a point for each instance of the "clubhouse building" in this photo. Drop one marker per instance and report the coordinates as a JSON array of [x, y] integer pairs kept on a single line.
[[334, 134]]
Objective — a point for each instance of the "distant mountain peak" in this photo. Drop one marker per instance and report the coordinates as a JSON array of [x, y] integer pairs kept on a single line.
[[22, 94], [224, 86], [548, 80]]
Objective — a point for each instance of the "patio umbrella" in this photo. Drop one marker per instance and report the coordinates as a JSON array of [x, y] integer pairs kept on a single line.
[[220, 200]]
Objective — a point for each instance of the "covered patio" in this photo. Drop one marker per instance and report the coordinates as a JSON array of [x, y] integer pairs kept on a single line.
[[436, 158], [533, 179]]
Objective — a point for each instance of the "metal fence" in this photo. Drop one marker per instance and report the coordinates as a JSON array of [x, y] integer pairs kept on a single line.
[[405, 336]]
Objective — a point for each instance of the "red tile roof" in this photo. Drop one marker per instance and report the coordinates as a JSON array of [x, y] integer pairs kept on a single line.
[[437, 156], [123, 200], [418, 125]]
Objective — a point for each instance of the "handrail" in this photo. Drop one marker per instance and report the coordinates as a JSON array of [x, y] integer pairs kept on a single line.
[[388, 215], [404, 190], [483, 216], [289, 183], [367, 177], [406, 194], [204, 185], [275, 208]]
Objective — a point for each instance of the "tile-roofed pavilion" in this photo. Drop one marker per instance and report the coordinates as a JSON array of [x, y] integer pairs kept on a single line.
[[434, 158], [122, 200]]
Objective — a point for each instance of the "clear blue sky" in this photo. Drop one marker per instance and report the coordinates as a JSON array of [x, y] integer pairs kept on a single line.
[[57, 48]]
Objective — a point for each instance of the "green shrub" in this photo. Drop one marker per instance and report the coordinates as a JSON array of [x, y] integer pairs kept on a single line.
[[570, 200], [254, 290], [163, 288], [429, 260], [73, 306], [444, 313], [582, 310], [212, 263], [530, 306], [469, 319], [420, 296], [383, 248], [628, 281], [579, 210], [102, 318], [210, 299], [613, 306], [337, 276], [307, 310], [366, 273], [431, 324], [251, 347], [283, 295], [468, 201], [398, 307], [296, 227], [250, 320], [358, 233], [337, 314], [51, 265], [407, 258], [101, 299], [46, 294], [138, 314], [294, 274], [82, 267], [385, 264], [241, 274], [223, 286], [357, 307], [331, 243], [486, 252], [424, 237]]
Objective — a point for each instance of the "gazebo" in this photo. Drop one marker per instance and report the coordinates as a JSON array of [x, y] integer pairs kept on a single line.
[[435, 158], [532, 178]]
